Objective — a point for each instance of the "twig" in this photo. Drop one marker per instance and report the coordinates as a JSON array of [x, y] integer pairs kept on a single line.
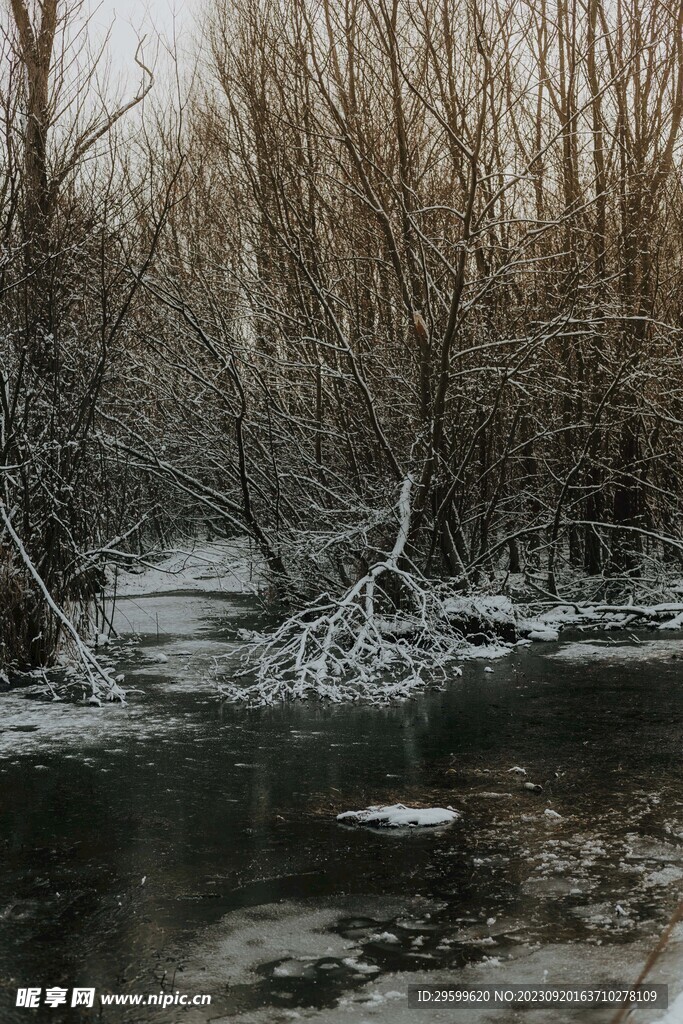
[[651, 960]]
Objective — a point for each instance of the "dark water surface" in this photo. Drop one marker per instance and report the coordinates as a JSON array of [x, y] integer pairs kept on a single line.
[[219, 808]]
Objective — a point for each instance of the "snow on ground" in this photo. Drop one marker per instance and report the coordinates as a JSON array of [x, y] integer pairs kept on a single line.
[[675, 623], [546, 625], [400, 816], [544, 635], [218, 567]]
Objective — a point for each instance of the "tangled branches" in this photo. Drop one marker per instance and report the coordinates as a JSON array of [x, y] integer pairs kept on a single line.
[[386, 636]]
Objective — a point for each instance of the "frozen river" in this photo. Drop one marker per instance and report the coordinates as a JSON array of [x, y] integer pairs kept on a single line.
[[181, 844]]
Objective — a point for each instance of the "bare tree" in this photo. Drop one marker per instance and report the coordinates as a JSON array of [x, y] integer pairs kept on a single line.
[[64, 303], [413, 262]]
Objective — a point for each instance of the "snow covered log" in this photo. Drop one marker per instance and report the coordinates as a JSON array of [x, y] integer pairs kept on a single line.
[[546, 625], [482, 619]]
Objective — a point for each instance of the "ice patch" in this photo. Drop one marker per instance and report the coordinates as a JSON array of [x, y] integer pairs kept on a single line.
[[30, 724], [674, 1015], [235, 950], [665, 876], [171, 617], [647, 650], [294, 969], [222, 567]]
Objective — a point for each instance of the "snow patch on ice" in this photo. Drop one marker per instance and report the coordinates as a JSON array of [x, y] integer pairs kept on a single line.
[[399, 816], [220, 567], [387, 937], [485, 652], [359, 967], [31, 724], [647, 650]]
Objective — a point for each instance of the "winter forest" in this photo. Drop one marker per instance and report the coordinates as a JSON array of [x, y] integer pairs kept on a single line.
[[383, 301], [391, 289]]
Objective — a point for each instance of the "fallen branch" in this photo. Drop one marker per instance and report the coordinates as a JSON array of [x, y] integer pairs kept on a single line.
[[368, 644]]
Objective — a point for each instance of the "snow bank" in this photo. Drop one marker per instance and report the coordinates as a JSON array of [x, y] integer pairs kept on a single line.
[[221, 567], [497, 609], [675, 623], [486, 614], [475, 617], [546, 625], [400, 816]]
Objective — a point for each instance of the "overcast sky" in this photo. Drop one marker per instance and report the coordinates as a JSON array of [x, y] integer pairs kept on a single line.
[[133, 18]]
